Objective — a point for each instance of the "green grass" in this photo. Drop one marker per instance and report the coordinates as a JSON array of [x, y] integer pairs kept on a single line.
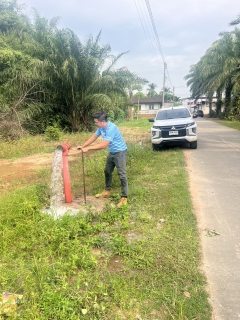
[[138, 123], [30, 145], [230, 124], [141, 261]]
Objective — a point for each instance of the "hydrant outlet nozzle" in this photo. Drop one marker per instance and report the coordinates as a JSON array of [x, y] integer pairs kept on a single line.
[[65, 147]]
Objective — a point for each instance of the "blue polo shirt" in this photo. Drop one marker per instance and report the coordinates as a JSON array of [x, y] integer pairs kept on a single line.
[[113, 135]]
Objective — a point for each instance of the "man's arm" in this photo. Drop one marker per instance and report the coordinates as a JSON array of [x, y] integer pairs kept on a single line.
[[88, 142], [103, 145]]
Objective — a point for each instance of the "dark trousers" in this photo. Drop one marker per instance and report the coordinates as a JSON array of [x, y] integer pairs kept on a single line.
[[118, 160]]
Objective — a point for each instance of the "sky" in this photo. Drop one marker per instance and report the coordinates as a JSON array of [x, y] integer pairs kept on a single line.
[[184, 30]]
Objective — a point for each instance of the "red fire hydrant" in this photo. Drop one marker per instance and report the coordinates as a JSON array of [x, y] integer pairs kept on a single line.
[[66, 176]]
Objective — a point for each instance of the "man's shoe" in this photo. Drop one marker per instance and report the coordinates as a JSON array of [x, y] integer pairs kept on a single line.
[[122, 202], [104, 194]]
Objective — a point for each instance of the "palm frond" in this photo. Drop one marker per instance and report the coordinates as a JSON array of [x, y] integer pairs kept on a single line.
[[235, 22]]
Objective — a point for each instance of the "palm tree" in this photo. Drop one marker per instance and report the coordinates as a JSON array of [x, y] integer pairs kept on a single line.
[[52, 76], [151, 90], [168, 95], [217, 71], [130, 80], [63, 76], [75, 76]]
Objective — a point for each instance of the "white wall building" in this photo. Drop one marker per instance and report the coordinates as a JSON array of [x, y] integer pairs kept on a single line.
[[146, 107]]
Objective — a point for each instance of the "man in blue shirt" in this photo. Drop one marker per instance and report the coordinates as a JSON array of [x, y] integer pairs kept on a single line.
[[113, 140]]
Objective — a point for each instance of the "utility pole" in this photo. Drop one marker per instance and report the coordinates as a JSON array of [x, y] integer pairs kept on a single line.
[[164, 76], [173, 96], [174, 91]]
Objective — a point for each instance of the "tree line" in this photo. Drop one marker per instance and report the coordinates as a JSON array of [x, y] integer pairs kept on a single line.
[[48, 77], [151, 92], [217, 74]]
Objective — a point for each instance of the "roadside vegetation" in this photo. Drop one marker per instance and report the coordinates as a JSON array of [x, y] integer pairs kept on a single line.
[[50, 79], [141, 261], [216, 74], [230, 124]]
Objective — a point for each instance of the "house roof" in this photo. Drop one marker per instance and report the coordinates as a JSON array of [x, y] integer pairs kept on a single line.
[[147, 100]]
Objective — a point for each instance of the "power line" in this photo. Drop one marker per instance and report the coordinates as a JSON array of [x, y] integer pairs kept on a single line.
[[155, 30], [157, 38], [147, 35]]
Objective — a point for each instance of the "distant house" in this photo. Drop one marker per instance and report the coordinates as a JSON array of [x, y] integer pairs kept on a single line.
[[148, 107], [202, 104]]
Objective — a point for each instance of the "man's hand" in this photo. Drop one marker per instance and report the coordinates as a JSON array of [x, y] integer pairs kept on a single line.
[[85, 149]]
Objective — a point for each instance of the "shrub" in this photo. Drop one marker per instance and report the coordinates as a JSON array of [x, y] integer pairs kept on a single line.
[[11, 130], [120, 115], [111, 115], [230, 118], [53, 133], [212, 114]]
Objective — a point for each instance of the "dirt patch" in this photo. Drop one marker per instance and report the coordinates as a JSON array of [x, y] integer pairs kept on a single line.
[[97, 204], [9, 170], [16, 174], [21, 171], [116, 264]]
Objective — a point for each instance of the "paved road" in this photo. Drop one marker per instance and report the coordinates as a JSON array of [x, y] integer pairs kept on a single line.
[[215, 176]]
